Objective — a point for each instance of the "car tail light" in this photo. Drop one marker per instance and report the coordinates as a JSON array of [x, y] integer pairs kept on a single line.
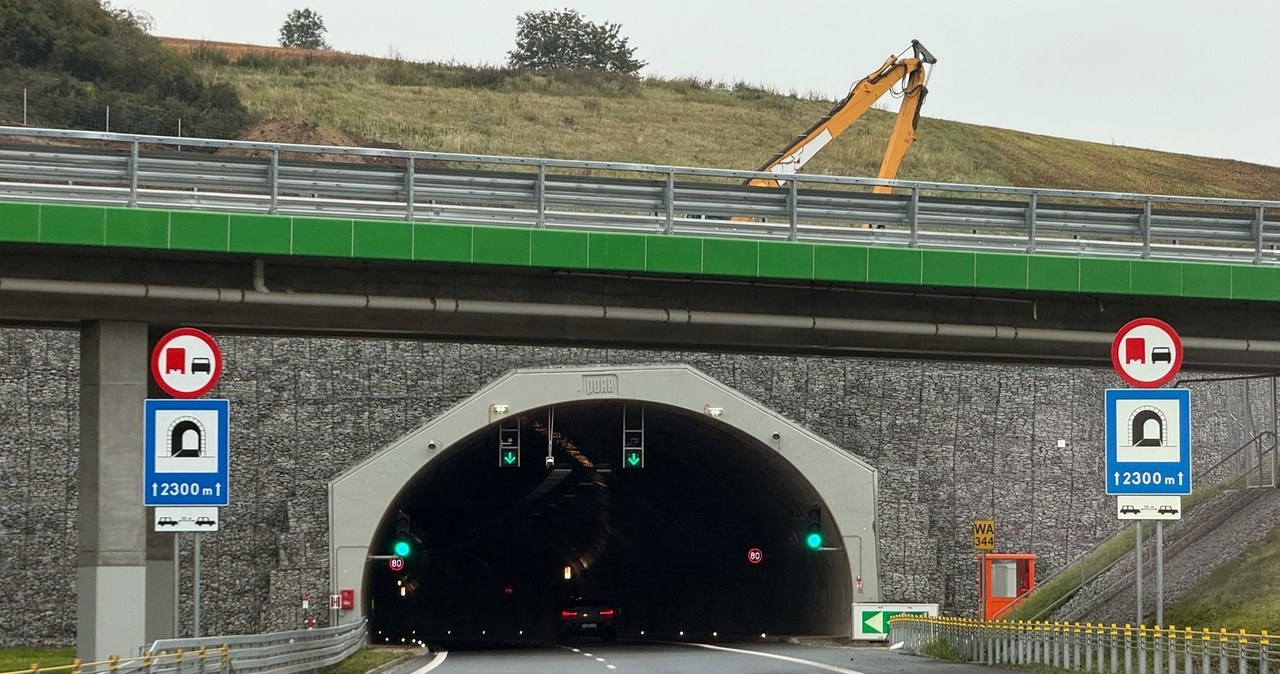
[[568, 614], [607, 613]]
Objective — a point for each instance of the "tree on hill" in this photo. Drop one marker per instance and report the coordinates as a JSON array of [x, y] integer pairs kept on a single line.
[[77, 57], [564, 39], [303, 29]]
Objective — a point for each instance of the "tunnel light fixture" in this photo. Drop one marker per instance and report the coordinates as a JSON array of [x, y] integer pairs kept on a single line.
[[499, 409], [763, 636], [712, 411], [568, 572]]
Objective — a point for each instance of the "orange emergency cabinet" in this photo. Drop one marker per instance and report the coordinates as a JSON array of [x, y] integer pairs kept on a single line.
[[1004, 581]]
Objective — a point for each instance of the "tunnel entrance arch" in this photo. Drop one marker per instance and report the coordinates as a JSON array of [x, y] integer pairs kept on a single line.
[[714, 434]]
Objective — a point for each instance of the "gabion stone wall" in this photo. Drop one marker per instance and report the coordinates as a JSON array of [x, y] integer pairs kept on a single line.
[[952, 441]]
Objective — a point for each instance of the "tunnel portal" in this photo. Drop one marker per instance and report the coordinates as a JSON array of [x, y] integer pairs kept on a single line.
[[497, 549]]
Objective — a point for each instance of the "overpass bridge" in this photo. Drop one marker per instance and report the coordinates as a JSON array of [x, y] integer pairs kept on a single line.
[[125, 234], [240, 236]]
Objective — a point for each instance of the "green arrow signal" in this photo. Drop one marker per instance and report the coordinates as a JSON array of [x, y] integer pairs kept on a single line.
[[509, 457], [633, 458]]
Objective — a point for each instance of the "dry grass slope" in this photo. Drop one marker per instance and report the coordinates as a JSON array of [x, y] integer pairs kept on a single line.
[[488, 110]]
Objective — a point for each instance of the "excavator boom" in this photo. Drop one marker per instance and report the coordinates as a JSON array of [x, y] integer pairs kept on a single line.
[[861, 97]]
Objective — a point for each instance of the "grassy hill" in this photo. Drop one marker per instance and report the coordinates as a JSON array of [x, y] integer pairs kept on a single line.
[[487, 110]]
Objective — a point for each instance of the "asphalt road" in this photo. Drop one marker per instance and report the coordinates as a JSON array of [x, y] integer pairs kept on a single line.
[[683, 658]]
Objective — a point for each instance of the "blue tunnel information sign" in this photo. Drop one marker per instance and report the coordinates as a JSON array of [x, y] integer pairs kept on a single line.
[[1148, 441], [187, 453]]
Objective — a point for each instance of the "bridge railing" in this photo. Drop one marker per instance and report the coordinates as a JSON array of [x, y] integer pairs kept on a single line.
[[371, 183]]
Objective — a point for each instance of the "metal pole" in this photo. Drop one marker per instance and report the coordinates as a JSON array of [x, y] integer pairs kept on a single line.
[[195, 611], [1159, 572], [177, 576], [982, 586], [1137, 553], [108, 127], [1275, 445], [24, 106]]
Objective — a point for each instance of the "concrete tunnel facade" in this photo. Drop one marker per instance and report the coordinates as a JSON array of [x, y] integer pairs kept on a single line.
[[791, 465]]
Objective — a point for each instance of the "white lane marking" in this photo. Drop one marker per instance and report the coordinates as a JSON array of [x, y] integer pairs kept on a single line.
[[575, 650], [435, 662], [611, 666], [798, 661], [599, 659]]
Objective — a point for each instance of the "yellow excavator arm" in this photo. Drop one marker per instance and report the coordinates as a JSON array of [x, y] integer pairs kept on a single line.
[[861, 97]]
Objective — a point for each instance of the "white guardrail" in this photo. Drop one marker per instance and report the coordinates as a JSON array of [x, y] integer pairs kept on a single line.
[[1088, 648], [49, 165]]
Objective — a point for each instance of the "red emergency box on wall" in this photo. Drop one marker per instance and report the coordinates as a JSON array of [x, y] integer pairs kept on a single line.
[[348, 599], [1004, 581]]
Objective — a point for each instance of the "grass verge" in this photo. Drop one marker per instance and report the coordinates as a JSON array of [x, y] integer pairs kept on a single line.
[[942, 650], [367, 658], [15, 659]]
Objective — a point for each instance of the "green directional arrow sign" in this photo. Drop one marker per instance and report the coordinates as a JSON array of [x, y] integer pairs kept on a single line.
[[509, 459], [877, 622], [633, 458]]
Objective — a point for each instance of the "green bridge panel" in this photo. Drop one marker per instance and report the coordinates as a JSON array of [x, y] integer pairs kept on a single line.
[[604, 251]]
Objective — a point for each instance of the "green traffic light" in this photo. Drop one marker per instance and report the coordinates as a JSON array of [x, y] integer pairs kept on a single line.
[[402, 548], [813, 540]]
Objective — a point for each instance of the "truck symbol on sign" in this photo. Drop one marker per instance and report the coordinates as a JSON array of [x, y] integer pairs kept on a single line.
[[1135, 350], [175, 360]]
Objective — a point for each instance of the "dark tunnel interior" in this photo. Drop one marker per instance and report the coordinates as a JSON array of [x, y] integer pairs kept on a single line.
[[497, 550]]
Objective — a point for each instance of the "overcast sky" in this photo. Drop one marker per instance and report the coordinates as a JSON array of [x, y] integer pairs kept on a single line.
[[1199, 77]]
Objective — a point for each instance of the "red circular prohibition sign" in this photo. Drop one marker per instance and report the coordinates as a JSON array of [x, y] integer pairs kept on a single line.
[[1120, 361], [215, 366]]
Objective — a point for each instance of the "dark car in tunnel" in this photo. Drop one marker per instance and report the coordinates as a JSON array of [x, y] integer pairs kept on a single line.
[[586, 617]]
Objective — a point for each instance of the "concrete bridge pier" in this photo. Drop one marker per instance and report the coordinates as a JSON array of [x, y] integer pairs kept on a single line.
[[111, 582]]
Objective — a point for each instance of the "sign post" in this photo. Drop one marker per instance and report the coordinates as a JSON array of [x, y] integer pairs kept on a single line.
[[1148, 437], [185, 447], [984, 541]]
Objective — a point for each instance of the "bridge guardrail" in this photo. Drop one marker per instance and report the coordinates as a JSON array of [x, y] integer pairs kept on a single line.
[[149, 171]]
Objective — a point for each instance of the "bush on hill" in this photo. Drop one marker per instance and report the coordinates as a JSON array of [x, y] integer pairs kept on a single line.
[[75, 58]]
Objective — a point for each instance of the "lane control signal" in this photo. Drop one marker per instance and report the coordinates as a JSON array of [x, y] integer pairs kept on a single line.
[[402, 546], [509, 444], [632, 436], [813, 531]]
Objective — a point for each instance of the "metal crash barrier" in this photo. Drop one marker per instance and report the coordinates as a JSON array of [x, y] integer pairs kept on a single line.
[[276, 653], [84, 167], [1088, 647]]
